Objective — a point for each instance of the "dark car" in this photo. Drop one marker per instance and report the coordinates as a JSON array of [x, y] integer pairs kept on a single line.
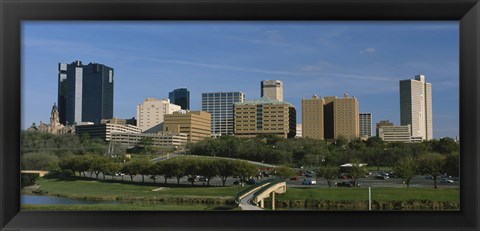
[[251, 181], [343, 184], [380, 177], [237, 182]]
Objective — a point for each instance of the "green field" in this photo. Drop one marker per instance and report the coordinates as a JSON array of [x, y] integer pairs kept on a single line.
[[378, 194], [91, 189], [136, 196], [111, 207]]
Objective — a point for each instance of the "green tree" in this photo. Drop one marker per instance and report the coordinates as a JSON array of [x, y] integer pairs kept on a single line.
[[329, 173], [40, 161], [357, 171], [225, 169], [446, 146], [135, 167], [209, 169], [433, 164], [452, 164], [407, 169], [284, 172], [97, 164], [243, 169], [111, 168]]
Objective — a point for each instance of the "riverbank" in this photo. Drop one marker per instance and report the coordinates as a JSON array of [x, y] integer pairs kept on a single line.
[[133, 192], [357, 199], [138, 196]]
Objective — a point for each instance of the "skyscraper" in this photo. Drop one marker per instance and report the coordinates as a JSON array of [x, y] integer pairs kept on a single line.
[[150, 114], [312, 118], [365, 124], [345, 117], [265, 116], [220, 106], [273, 89], [180, 97], [416, 107], [85, 92]]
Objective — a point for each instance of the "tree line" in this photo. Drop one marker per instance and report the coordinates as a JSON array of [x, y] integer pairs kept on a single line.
[[313, 152], [175, 168]]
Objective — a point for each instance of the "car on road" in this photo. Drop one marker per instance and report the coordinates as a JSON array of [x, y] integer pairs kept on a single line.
[[251, 181], [202, 179], [446, 180], [343, 184], [309, 182], [346, 184], [429, 177], [237, 182], [380, 177]]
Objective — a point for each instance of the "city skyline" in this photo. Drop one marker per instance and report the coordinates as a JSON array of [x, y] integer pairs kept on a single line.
[[327, 59]]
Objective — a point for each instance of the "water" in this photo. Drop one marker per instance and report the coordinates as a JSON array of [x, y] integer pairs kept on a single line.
[[52, 200]]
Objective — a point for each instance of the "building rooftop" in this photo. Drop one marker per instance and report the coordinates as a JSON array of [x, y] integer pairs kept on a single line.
[[263, 100]]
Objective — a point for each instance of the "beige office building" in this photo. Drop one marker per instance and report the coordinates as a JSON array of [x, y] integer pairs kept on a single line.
[[272, 89], [345, 117], [264, 116], [312, 118], [196, 124], [381, 124], [395, 133], [159, 139], [150, 114], [416, 107], [328, 121]]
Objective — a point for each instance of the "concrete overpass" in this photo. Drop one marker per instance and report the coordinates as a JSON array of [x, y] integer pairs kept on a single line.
[[252, 198], [40, 173], [269, 191]]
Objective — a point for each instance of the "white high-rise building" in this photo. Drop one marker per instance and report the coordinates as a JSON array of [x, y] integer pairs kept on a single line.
[[272, 89], [220, 106], [150, 114], [416, 107]]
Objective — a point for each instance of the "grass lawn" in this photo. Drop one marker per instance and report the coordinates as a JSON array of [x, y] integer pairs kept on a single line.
[[379, 194], [115, 207], [126, 190]]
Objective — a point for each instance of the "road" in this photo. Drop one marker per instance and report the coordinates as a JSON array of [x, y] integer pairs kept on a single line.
[[370, 181]]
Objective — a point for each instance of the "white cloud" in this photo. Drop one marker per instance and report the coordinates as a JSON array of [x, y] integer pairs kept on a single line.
[[369, 50]]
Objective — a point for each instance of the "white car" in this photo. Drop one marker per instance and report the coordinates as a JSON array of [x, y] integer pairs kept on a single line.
[[445, 180], [309, 182]]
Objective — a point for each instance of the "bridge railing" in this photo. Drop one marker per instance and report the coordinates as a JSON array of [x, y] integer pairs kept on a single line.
[[266, 187], [251, 188]]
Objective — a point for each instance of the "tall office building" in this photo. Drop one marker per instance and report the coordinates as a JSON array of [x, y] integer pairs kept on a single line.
[[345, 117], [150, 114], [196, 124], [265, 116], [273, 89], [312, 118], [85, 92], [381, 124], [220, 106], [328, 124], [365, 124], [416, 107], [180, 97]]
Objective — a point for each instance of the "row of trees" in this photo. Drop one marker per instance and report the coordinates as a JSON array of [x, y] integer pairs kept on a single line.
[[406, 168], [174, 168], [313, 152]]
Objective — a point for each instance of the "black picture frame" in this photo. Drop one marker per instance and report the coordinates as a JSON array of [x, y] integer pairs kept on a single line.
[[12, 12]]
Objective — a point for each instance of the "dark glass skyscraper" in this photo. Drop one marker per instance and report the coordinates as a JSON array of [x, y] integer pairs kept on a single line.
[[180, 97], [85, 92]]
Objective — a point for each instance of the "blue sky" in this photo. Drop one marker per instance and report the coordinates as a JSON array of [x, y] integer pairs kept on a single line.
[[150, 59]]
